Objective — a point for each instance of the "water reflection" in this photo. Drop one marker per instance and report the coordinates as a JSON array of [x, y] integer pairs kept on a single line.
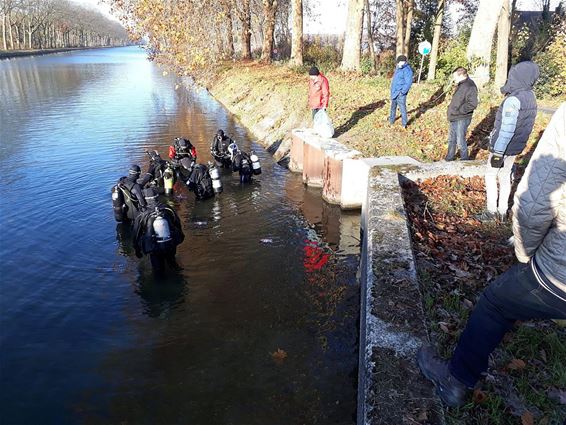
[[89, 335]]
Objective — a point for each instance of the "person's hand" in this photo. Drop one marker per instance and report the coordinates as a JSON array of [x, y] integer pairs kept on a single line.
[[497, 160]]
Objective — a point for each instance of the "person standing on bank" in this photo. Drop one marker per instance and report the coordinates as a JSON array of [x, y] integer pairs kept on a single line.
[[462, 106], [535, 288], [319, 91], [513, 126], [400, 86]]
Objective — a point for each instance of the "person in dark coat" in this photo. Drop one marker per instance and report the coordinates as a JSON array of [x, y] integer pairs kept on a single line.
[[242, 163], [462, 106], [514, 123], [157, 233], [200, 182], [400, 86]]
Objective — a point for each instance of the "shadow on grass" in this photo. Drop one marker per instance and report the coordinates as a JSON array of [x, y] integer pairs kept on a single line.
[[479, 139], [436, 99], [362, 112]]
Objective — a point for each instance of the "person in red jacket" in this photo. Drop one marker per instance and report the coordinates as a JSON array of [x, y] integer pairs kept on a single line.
[[319, 91]]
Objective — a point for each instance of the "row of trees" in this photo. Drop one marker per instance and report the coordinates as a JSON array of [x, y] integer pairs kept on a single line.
[[196, 33], [42, 24]]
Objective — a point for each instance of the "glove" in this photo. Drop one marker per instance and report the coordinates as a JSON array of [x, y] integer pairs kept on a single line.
[[497, 160]]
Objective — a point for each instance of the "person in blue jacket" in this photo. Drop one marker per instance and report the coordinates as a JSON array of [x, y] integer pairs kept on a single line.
[[400, 86]]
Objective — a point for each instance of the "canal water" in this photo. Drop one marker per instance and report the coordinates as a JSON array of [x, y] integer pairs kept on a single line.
[[260, 326]]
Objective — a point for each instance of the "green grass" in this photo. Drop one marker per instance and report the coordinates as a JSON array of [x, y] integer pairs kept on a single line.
[[359, 108]]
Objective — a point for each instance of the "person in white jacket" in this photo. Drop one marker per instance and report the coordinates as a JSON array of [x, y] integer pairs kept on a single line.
[[534, 288]]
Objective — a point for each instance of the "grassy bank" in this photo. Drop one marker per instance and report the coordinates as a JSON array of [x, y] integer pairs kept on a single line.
[[272, 100], [457, 257]]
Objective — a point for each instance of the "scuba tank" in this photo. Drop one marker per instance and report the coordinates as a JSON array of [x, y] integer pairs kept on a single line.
[[168, 179], [161, 229], [118, 203], [215, 175], [255, 164]]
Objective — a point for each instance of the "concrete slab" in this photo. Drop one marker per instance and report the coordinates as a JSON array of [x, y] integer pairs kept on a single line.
[[392, 326]]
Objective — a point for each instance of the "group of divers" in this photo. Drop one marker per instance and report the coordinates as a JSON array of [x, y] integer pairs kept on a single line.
[[157, 229]]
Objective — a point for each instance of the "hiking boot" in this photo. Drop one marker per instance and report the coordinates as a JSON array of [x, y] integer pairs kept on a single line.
[[451, 391], [486, 217]]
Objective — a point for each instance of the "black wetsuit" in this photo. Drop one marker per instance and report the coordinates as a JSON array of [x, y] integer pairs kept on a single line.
[[146, 241], [200, 182], [243, 164], [219, 149], [133, 195]]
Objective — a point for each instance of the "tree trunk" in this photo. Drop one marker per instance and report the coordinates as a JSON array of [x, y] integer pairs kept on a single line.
[[409, 20], [10, 33], [353, 38], [4, 41], [370, 36], [481, 39], [297, 40], [246, 23], [436, 40], [269, 10], [399, 22], [230, 34], [503, 29]]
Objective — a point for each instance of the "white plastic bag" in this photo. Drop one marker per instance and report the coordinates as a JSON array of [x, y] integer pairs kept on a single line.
[[323, 125]]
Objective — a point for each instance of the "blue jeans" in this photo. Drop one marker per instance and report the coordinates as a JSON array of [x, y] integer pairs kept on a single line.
[[515, 295], [400, 100], [457, 136]]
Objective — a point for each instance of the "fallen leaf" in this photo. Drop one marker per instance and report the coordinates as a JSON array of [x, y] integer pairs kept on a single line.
[[444, 327], [516, 364], [479, 396], [527, 418], [279, 356]]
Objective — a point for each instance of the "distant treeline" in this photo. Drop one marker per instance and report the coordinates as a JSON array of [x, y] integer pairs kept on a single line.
[[53, 24]]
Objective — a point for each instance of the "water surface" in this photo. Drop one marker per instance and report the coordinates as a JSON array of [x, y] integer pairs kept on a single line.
[[89, 335]]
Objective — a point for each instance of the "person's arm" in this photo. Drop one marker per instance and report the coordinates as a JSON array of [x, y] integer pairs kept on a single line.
[[172, 152], [509, 114], [539, 194], [325, 93], [408, 81], [470, 101]]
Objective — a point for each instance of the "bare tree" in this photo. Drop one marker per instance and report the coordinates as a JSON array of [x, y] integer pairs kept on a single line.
[[352, 39], [269, 11], [243, 11], [503, 30], [481, 39], [436, 39], [297, 40]]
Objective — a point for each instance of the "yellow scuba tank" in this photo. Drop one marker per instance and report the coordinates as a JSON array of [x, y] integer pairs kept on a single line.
[[168, 180]]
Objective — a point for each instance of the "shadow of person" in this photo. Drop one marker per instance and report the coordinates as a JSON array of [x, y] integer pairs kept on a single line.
[[479, 138], [362, 112], [160, 295], [438, 97]]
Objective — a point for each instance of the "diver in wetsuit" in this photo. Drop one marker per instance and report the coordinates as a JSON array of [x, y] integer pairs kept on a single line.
[[182, 148], [127, 196], [157, 233], [219, 148], [242, 163], [200, 182]]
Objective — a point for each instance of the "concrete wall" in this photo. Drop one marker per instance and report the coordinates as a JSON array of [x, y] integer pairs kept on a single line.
[[391, 389]]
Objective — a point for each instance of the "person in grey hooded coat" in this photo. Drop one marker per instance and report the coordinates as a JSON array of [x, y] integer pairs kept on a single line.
[[534, 288], [513, 126]]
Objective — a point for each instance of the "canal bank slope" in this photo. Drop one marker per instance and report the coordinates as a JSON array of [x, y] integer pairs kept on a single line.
[[271, 100]]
